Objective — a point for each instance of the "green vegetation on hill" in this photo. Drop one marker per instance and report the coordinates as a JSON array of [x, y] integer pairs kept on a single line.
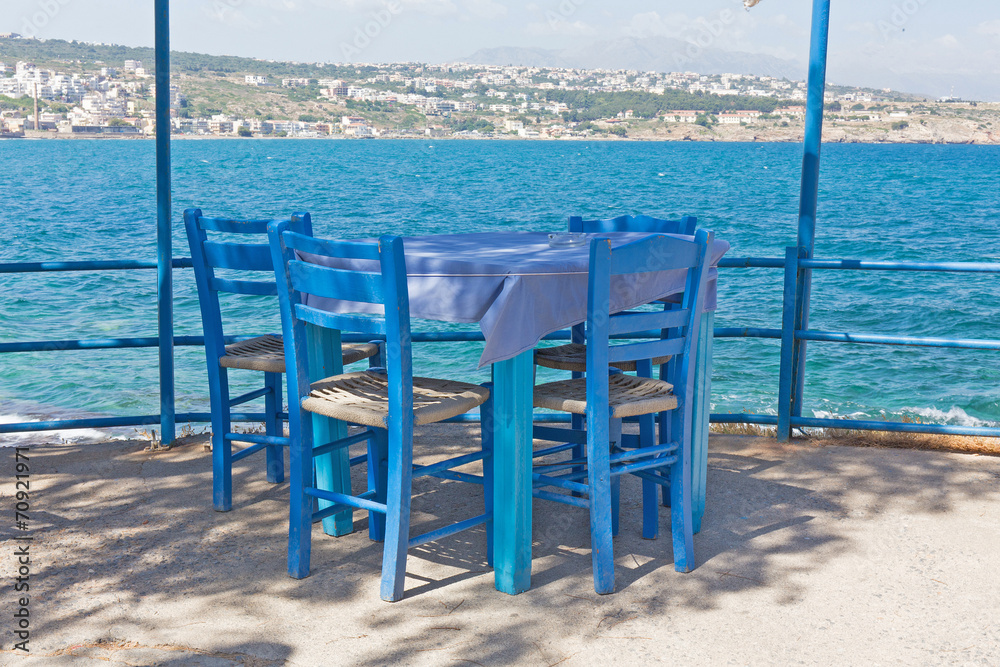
[[594, 106], [90, 57]]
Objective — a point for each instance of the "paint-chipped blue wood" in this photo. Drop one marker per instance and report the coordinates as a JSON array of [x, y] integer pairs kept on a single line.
[[164, 221], [635, 223], [608, 455], [236, 244], [789, 318], [809, 196], [700, 420], [512, 382], [312, 352], [332, 471]]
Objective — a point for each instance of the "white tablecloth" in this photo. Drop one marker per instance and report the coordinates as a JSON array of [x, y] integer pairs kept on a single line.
[[514, 284]]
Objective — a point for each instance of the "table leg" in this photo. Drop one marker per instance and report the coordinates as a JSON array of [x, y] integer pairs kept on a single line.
[[512, 442], [332, 471], [702, 409]]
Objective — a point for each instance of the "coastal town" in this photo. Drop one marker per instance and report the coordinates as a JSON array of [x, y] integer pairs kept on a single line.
[[99, 98]]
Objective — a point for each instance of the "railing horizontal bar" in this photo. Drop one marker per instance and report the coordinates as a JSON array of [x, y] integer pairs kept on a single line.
[[98, 265], [106, 343], [896, 427], [752, 263], [744, 418], [745, 332], [875, 339], [477, 336], [934, 267], [70, 424]]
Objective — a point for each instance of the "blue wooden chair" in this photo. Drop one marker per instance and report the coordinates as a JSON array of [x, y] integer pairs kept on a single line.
[[241, 245], [573, 355], [605, 398], [387, 402]]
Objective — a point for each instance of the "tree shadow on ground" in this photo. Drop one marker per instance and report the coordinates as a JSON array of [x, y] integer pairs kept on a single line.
[[127, 548]]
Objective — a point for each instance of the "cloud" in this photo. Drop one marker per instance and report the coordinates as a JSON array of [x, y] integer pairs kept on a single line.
[[988, 28], [557, 25], [948, 41], [430, 7], [228, 13], [652, 24], [864, 27], [485, 9]]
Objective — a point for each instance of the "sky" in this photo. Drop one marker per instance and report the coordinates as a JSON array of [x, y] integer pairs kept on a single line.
[[905, 44]]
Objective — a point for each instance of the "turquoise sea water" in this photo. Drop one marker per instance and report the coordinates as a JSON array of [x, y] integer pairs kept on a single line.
[[76, 200]]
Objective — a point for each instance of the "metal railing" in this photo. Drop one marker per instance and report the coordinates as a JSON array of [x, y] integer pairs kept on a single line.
[[792, 334]]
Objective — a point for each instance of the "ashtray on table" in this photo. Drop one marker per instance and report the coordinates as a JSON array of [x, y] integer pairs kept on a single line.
[[567, 239]]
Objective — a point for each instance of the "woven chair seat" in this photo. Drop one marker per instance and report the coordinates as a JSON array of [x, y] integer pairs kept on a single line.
[[267, 354], [628, 396], [573, 357], [363, 398]]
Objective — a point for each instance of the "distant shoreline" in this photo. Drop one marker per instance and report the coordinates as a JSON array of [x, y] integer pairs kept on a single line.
[[49, 136]]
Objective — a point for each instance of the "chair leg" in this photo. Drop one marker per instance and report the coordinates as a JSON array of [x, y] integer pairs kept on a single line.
[[650, 510], [650, 506], [300, 505], [680, 508], [664, 421], [599, 482], [578, 451], [615, 437], [378, 461], [397, 521], [272, 426], [222, 449], [486, 438]]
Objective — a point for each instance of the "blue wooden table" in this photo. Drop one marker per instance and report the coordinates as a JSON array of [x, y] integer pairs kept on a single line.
[[492, 267]]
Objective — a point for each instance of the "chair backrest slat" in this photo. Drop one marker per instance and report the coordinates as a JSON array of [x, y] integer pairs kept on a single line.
[[239, 256], [334, 248], [645, 350], [651, 254], [229, 226], [330, 283], [366, 324], [297, 275], [623, 323], [639, 223], [245, 287]]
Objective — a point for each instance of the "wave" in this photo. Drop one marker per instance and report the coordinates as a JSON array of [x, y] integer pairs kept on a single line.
[[66, 437], [955, 416], [21, 412]]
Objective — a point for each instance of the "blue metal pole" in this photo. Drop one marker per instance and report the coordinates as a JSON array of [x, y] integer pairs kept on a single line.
[[809, 191], [164, 247]]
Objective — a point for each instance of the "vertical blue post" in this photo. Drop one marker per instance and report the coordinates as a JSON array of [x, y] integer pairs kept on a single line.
[[789, 324], [701, 411], [809, 191], [164, 242]]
